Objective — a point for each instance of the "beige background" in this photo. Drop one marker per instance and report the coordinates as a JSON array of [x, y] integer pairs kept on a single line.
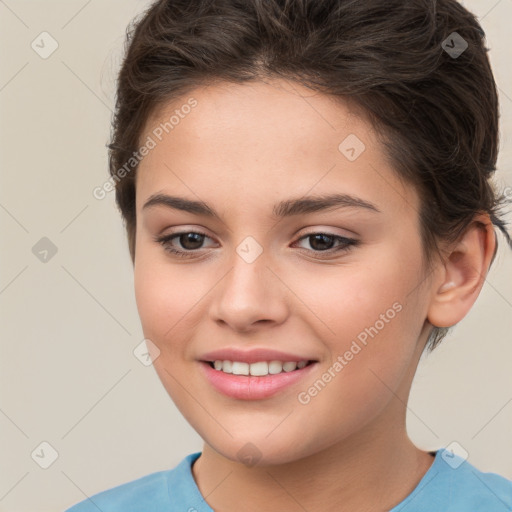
[[70, 325]]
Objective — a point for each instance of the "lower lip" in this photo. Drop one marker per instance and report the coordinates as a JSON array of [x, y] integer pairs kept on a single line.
[[249, 387]]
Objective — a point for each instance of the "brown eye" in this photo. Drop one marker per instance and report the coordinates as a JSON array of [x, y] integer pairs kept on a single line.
[[189, 242], [325, 242], [321, 242]]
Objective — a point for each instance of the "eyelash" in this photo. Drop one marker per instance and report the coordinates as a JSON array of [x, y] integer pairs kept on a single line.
[[348, 243]]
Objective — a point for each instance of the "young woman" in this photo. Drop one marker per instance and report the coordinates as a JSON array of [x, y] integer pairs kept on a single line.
[[307, 193]]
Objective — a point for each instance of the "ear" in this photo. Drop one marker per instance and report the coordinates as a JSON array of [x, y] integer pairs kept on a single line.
[[463, 273]]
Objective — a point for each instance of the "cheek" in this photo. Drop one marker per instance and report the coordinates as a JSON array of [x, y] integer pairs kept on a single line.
[[347, 301], [163, 296], [365, 376], [153, 298], [165, 299], [369, 318]]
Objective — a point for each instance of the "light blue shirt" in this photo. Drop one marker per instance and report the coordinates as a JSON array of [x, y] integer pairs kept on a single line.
[[450, 485]]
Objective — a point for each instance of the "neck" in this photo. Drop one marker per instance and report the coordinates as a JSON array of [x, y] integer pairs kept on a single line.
[[373, 471]]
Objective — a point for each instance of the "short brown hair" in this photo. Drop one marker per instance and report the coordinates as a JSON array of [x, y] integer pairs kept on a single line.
[[436, 112]]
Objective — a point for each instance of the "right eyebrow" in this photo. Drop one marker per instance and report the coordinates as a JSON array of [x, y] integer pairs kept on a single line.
[[286, 208]]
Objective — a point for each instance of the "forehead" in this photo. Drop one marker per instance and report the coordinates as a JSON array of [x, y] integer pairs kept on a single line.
[[274, 114], [264, 140]]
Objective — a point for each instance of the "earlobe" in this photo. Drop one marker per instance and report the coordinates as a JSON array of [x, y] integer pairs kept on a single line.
[[463, 274]]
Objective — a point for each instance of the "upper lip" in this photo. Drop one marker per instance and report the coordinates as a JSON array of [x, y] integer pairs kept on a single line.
[[252, 356]]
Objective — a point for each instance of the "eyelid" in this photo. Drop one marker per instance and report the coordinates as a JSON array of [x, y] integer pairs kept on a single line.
[[179, 230], [346, 242], [345, 246], [176, 234], [297, 237], [326, 231]]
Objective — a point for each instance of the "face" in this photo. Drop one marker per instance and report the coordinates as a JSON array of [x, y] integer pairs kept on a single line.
[[304, 248]]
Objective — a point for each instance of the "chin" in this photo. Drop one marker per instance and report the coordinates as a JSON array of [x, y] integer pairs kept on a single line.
[[261, 449]]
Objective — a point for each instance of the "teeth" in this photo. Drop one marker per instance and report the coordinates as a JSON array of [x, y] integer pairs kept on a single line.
[[289, 367], [275, 367], [259, 369], [240, 368]]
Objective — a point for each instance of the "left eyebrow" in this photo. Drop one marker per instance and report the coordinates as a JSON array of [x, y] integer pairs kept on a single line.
[[287, 208], [310, 204]]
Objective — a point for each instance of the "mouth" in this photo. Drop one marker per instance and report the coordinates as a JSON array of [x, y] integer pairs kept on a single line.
[[257, 380], [258, 368]]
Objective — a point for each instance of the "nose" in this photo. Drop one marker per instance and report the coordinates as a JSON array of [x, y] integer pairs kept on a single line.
[[250, 296]]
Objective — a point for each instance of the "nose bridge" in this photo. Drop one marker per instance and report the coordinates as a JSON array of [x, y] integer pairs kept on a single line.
[[249, 292]]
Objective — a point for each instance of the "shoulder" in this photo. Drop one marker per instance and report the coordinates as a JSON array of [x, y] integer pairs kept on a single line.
[[154, 492], [452, 484], [129, 497], [476, 489]]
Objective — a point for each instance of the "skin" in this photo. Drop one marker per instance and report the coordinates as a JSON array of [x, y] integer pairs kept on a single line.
[[242, 149]]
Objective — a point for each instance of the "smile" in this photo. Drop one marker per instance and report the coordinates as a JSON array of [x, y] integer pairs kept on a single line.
[[257, 369], [255, 381]]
